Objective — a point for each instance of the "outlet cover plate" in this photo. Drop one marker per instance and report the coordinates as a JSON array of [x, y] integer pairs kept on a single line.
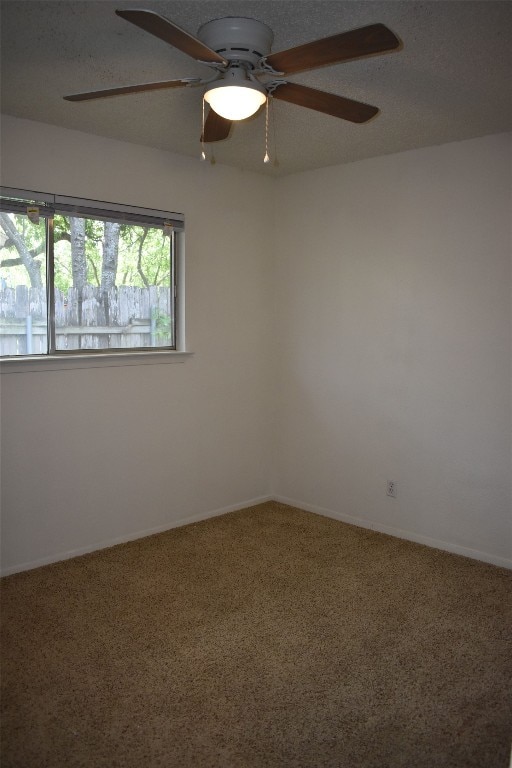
[[391, 489]]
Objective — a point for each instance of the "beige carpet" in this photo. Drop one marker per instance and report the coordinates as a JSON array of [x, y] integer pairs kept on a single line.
[[266, 637]]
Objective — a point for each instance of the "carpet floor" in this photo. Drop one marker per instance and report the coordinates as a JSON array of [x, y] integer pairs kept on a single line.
[[265, 637]]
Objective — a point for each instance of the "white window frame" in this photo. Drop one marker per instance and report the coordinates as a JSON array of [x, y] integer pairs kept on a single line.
[[16, 201]]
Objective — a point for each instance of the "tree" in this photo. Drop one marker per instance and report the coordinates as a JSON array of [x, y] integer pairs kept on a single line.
[[139, 257], [109, 263], [110, 255], [26, 256], [78, 257], [86, 252]]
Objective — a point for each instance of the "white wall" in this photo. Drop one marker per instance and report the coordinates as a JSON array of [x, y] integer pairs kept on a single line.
[[367, 338], [394, 337], [97, 455]]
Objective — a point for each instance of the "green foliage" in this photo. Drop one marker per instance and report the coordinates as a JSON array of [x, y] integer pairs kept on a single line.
[[162, 324], [144, 256], [143, 253]]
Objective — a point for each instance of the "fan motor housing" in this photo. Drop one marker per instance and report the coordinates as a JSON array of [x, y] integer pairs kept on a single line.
[[238, 38]]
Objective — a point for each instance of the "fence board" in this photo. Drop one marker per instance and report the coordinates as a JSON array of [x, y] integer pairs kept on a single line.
[[81, 321]]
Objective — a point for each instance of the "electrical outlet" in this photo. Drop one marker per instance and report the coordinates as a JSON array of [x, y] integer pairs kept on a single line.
[[391, 491]]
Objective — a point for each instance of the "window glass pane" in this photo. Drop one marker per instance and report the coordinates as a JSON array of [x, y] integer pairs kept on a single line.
[[114, 285], [23, 317]]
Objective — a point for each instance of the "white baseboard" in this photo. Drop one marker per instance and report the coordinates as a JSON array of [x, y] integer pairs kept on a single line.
[[455, 549], [360, 522], [133, 536]]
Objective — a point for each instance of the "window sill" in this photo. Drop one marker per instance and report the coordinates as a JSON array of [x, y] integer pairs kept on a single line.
[[91, 360]]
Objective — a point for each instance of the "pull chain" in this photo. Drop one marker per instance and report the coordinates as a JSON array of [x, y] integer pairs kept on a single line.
[[203, 153], [266, 159], [276, 161]]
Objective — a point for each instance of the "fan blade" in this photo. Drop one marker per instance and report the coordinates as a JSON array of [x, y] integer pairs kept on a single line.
[[355, 44], [164, 29], [130, 89], [330, 103], [216, 128]]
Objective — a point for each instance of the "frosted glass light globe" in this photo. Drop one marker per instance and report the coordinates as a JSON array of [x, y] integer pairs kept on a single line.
[[235, 102]]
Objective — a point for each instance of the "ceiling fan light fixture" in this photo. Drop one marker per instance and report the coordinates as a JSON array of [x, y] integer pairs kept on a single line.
[[239, 50], [235, 102], [236, 97]]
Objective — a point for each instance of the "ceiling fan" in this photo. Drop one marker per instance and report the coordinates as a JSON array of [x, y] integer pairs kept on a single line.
[[245, 72]]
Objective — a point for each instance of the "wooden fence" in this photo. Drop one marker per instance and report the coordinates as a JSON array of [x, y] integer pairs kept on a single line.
[[124, 317]]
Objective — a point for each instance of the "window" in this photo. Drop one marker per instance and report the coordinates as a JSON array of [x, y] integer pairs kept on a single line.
[[84, 277]]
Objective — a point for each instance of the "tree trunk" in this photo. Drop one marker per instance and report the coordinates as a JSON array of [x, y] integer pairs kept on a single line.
[[78, 257], [31, 265], [110, 254], [109, 264], [139, 257]]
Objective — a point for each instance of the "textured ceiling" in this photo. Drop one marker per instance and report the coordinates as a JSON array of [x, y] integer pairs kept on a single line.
[[452, 80]]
